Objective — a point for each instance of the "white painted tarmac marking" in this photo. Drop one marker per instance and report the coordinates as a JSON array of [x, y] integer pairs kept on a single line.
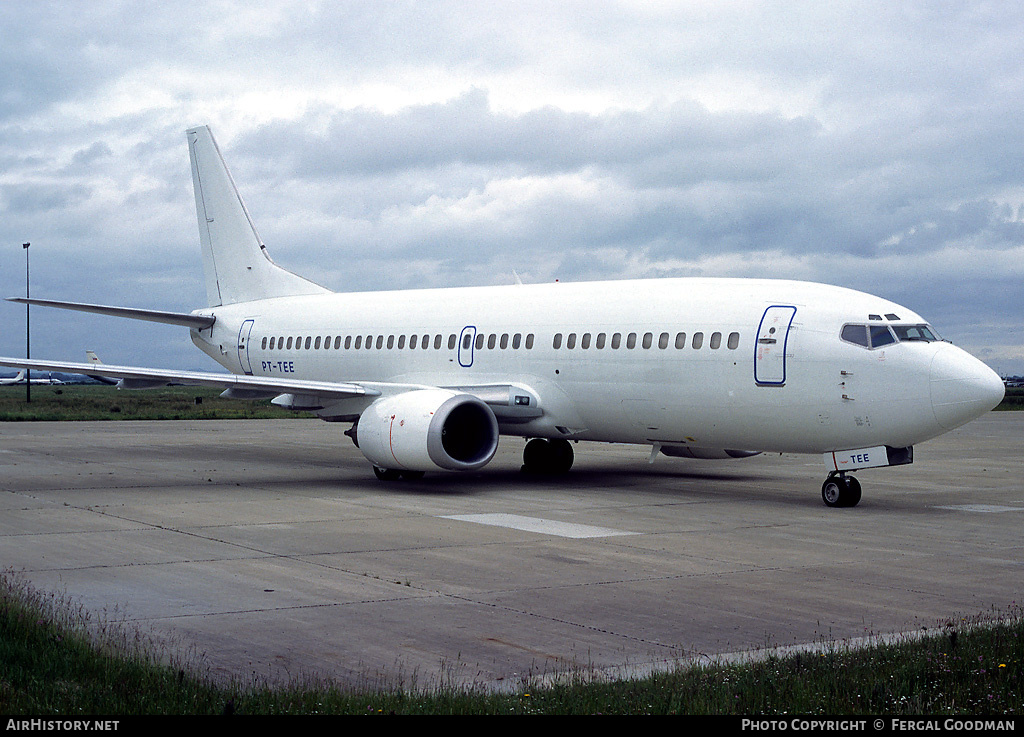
[[542, 526], [983, 508]]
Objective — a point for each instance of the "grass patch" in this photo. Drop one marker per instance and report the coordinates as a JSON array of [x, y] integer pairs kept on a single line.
[[92, 402], [1014, 398], [57, 659]]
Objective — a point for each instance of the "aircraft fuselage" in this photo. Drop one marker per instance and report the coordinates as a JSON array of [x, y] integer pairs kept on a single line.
[[678, 362]]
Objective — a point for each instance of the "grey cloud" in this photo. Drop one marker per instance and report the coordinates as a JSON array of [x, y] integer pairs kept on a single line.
[[862, 144], [34, 199]]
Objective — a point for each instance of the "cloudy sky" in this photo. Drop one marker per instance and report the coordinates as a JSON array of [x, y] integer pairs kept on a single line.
[[874, 145]]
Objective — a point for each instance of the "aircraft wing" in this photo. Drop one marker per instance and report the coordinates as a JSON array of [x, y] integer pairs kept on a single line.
[[133, 377]]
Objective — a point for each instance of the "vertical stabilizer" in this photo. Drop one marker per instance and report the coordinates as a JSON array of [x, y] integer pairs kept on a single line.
[[235, 260]]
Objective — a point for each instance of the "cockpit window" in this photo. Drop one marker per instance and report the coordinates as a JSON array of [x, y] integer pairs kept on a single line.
[[855, 334], [915, 332], [880, 336], [876, 336]]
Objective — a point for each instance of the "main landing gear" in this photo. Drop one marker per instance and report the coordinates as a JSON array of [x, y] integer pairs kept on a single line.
[[840, 490], [550, 457], [393, 474]]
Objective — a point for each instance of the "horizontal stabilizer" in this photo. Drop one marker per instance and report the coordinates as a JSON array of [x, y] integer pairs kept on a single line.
[[170, 318]]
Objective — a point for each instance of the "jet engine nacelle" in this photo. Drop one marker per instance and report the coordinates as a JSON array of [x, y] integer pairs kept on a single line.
[[428, 429]]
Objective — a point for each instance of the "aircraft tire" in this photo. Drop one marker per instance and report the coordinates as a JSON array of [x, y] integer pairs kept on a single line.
[[853, 491], [549, 457], [841, 491], [386, 474]]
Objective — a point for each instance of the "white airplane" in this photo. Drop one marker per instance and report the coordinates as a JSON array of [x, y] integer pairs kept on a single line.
[[693, 368], [20, 379]]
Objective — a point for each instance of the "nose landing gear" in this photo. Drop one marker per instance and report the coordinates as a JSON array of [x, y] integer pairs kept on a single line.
[[840, 490]]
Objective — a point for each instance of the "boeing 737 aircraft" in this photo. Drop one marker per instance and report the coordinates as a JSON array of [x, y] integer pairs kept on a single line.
[[693, 368]]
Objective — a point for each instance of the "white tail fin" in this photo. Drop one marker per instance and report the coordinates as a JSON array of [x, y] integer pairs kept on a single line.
[[235, 260]]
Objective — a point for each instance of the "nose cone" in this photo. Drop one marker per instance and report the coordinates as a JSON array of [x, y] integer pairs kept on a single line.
[[962, 387]]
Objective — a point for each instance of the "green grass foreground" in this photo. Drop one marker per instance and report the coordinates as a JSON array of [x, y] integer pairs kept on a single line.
[[100, 402], [90, 402], [58, 659], [1014, 399]]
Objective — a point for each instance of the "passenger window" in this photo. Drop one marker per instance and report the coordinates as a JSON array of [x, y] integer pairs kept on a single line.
[[479, 341], [556, 342], [716, 341], [698, 340], [680, 340], [401, 342], [451, 342], [316, 343], [663, 341], [466, 340], [631, 341], [437, 342], [272, 343], [369, 342], [570, 342], [585, 343], [359, 342], [648, 340], [529, 341], [600, 340], [490, 341], [734, 341], [391, 342], [504, 341], [308, 341], [289, 344], [380, 341], [517, 340], [616, 341]]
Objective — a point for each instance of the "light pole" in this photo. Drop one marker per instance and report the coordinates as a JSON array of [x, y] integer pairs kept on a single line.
[[28, 334]]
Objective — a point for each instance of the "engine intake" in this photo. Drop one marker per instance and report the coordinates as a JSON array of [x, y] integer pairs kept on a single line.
[[428, 429]]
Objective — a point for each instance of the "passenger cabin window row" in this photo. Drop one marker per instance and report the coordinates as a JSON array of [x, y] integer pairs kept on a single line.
[[503, 341], [401, 342], [615, 341]]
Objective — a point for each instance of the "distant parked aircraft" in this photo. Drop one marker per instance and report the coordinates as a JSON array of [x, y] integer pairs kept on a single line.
[[20, 379], [93, 358]]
